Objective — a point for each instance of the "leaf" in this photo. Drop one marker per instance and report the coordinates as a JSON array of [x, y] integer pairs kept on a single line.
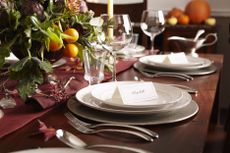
[[46, 66], [53, 36], [28, 73], [37, 23], [19, 65], [5, 52], [16, 16]]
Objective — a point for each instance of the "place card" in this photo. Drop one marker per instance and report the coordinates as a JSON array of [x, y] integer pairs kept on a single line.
[[135, 94], [176, 58]]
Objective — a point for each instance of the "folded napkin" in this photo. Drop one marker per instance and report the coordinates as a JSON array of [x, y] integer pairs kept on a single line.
[[176, 58], [11, 59], [173, 58], [22, 114]]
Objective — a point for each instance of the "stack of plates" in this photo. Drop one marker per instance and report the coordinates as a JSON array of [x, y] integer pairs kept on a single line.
[[96, 103], [138, 51], [195, 65]]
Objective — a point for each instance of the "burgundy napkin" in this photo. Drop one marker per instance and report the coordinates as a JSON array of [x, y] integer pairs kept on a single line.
[[43, 102], [22, 114]]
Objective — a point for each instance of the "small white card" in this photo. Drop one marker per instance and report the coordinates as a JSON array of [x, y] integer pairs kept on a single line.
[[176, 58], [137, 93]]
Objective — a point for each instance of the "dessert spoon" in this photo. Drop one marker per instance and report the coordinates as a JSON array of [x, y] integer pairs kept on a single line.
[[75, 142]]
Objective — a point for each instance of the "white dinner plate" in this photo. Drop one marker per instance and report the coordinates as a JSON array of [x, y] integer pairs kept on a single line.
[[84, 97], [148, 119], [194, 63], [167, 95], [56, 150], [203, 71], [127, 52], [130, 50]]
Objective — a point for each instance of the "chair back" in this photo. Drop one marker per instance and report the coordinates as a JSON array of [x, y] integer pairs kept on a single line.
[[133, 9]]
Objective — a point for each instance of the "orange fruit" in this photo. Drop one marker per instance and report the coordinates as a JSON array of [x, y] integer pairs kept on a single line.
[[73, 33], [71, 50], [54, 46], [175, 12], [183, 19]]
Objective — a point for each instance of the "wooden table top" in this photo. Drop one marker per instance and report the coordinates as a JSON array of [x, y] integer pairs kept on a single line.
[[183, 137]]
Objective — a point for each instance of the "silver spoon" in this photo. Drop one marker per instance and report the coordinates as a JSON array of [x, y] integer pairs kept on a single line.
[[75, 142]]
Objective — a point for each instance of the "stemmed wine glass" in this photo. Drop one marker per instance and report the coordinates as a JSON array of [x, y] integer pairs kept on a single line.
[[115, 35], [152, 24]]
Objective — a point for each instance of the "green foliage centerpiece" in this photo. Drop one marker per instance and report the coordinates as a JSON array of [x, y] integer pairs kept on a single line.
[[28, 29]]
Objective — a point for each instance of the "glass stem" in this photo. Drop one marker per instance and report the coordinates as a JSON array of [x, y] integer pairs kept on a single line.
[[114, 78], [152, 38]]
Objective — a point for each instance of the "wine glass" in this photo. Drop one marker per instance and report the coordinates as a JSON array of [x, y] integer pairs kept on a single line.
[[152, 24], [115, 35]]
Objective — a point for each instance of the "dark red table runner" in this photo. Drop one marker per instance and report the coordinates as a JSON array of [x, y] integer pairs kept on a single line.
[[23, 113]]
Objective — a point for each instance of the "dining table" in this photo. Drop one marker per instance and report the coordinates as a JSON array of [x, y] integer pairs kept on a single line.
[[186, 136]]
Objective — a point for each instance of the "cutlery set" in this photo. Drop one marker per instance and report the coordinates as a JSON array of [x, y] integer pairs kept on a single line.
[[87, 128], [140, 132], [75, 120], [75, 142], [167, 74]]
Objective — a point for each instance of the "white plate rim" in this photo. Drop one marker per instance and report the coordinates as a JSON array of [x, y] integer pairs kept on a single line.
[[92, 103], [206, 63], [176, 93], [198, 72], [138, 49], [150, 119]]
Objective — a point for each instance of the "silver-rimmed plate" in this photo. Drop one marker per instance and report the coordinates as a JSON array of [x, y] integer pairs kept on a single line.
[[202, 71], [193, 63], [146, 119], [85, 98], [166, 95], [128, 50]]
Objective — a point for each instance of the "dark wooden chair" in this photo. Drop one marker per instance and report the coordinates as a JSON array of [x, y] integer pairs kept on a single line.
[[133, 9]]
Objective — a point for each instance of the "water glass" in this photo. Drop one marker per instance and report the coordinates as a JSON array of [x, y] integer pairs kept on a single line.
[[94, 66], [134, 41], [152, 24]]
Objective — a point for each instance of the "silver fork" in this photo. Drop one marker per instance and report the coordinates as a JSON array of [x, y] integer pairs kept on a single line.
[[74, 119], [168, 74], [86, 130]]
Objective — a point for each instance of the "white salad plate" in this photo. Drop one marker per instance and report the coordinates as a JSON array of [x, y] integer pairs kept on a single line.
[[85, 98], [127, 52], [197, 72], [130, 50], [193, 63], [166, 95]]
